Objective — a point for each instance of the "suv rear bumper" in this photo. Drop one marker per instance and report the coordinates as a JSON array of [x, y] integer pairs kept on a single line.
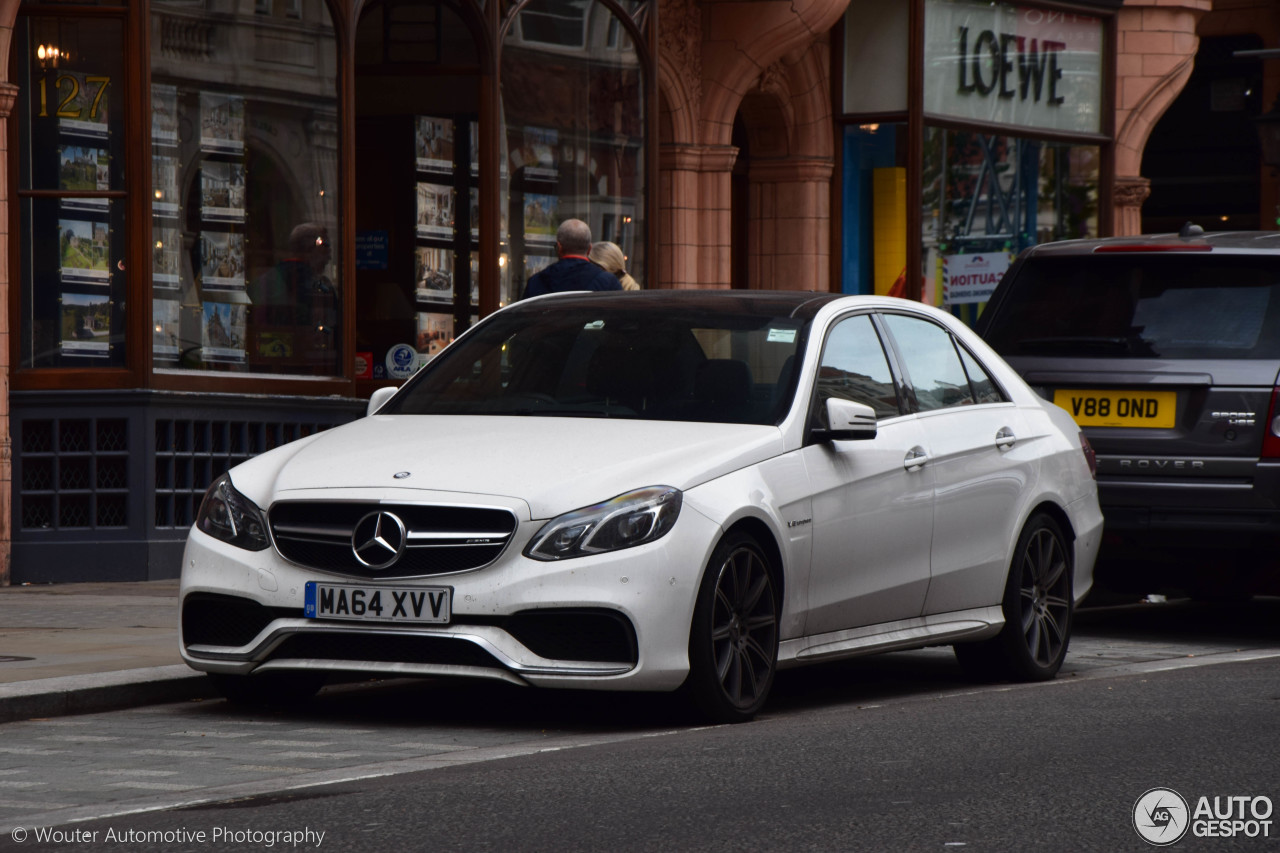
[[1192, 534]]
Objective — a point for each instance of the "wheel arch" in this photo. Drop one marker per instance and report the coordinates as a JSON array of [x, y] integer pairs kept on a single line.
[[763, 535], [1059, 515]]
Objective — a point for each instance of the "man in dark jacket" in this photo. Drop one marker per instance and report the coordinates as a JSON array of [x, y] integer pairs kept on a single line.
[[573, 271]]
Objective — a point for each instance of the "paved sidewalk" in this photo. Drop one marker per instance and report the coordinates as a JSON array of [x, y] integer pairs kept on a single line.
[[75, 648]]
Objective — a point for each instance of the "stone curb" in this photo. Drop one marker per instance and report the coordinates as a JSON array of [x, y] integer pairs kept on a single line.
[[105, 691]]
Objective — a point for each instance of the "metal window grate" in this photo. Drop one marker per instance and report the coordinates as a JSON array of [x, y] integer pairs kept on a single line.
[[190, 454], [75, 474]]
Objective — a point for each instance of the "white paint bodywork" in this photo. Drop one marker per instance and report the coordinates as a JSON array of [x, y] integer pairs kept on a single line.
[[874, 555]]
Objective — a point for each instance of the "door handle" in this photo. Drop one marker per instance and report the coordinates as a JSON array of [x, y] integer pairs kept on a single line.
[[916, 457], [1005, 438]]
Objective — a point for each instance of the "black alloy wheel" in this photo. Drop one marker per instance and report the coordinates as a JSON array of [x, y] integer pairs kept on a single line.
[[733, 644], [1038, 605]]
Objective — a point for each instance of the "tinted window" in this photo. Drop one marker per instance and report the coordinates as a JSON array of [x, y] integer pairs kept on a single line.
[[854, 368], [984, 387], [931, 362], [1141, 306], [625, 359]]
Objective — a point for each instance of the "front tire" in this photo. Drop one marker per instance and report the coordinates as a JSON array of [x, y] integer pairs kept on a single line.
[[1038, 606], [733, 642]]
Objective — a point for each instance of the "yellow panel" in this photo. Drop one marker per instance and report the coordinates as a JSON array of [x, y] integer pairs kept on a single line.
[[889, 225]]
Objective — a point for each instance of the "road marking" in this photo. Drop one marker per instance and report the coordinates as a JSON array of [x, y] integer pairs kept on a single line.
[[319, 778], [243, 790]]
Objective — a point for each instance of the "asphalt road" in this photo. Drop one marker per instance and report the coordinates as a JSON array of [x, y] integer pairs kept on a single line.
[[889, 753]]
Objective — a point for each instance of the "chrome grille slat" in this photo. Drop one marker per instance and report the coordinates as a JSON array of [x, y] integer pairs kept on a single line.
[[318, 534]]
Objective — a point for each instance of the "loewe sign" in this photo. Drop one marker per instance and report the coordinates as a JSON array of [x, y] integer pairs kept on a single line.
[[1013, 65]]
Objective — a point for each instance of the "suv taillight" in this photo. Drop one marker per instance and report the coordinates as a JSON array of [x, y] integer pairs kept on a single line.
[[1271, 437], [1090, 457]]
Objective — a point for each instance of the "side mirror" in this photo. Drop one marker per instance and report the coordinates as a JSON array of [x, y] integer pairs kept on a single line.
[[379, 398], [849, 421]]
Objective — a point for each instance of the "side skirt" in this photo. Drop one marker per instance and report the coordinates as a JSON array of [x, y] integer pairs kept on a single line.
[[934, 630]]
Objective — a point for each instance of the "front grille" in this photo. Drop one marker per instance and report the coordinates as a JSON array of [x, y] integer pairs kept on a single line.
[[383, 648], [440, 539], [210, 619]]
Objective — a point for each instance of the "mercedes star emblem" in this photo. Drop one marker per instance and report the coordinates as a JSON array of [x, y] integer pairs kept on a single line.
[[378, 539]]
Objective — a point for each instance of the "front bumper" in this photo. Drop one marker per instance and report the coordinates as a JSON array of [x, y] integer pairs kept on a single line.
[[616, 621]]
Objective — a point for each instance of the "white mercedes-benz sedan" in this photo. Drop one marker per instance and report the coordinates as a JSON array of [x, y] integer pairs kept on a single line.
[[657, 491]]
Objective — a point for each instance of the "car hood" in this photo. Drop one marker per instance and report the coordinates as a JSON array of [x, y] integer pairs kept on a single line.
[[552, 464]]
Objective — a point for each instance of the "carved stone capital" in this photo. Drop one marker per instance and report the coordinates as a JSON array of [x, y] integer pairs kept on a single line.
[[1131, 191], [8, 97], [697, 158]]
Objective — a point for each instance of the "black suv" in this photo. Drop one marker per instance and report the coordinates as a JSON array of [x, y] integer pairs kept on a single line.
[[1166, 350]]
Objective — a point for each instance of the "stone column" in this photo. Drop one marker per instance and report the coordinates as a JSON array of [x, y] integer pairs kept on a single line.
[[1130, 192], [790, 229], [8, 95], [694, 231], [1155, 53]]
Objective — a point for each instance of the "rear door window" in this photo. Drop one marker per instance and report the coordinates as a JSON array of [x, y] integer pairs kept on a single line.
[[1141, 306], [932, 363]]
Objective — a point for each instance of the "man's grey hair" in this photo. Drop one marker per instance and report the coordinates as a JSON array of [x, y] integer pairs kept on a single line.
[[574, 237]]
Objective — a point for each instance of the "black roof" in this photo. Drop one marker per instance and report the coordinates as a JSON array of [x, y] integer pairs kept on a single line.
[[772, 303], [1244, 242]]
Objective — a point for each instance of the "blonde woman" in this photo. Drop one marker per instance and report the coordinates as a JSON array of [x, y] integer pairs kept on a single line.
[[609, 257]]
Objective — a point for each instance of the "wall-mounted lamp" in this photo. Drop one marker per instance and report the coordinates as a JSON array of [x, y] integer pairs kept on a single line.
[[49, 55]]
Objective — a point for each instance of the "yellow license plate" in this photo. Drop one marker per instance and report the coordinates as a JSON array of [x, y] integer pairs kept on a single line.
[[1152, 409]]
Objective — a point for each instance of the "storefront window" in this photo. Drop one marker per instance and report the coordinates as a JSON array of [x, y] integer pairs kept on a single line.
[[987, 197], [573, 108], [245, 206], [72, 158], [417, 227], [874, 218]]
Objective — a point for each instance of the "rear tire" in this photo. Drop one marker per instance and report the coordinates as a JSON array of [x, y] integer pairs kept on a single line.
[[270, 688], [1038, 606], [733, 641]]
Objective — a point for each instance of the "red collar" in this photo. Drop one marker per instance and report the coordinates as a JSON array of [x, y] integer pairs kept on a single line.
[[578, 257]]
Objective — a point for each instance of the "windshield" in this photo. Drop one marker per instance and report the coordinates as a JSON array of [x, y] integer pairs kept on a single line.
[[1142, 306], [641, 359]]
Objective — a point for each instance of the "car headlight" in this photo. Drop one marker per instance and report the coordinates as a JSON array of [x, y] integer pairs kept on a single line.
[[228, 515], [622, 522]]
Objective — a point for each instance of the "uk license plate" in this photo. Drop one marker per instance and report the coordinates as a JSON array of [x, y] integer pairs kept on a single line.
[[1151, 409], [426, 604]]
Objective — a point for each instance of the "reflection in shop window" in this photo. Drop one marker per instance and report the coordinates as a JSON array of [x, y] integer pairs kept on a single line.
[[245, 272], [71, 188], [574, 131], [987, 197], [559, 23]]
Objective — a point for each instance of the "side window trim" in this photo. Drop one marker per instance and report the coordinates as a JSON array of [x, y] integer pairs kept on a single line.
[[1005, 399], [898, 364], [890, 357], [906, 390]]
